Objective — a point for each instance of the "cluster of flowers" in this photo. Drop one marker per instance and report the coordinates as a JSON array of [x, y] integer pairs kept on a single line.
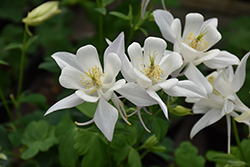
[[152, 68]]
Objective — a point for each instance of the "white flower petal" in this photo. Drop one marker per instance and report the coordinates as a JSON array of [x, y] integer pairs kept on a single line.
[[155, 96], [116, 85], [229, 104], [210, 22], [117, 46], [206, 56], [142, 80], [244, 117], [212, 36], [154, 47], [89, 98], [135, 54], [200, 109], [136, 94], [239, 106], [176, 28], [230, 73], [193, 74], [71, 78], [67, 102], [193, 24], [112, 66], [128, 70], [186, 88], [105, 118], [87, 57], [164, 20], [240, 74], [222, 85], [170, 63], [64, 59], [209, 118], [168, 84], [223, 60]]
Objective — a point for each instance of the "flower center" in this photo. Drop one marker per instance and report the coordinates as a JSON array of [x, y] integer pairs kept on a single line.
[[198, 43], [91, 79], [152, 70], [211, 81]]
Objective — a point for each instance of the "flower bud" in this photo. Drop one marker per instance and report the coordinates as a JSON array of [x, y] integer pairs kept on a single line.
[[181, 111], [150, 142], [41, 13]]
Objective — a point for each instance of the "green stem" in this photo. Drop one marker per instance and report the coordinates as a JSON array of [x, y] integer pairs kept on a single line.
[[21, 70], [7, 107], [99, 5], [132, 28], [238, 139]]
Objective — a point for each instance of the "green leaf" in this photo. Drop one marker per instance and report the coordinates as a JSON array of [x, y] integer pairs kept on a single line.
[[223, 159], [169, 145], [102, 10], [107, 2], [66, 132], [134, 159], [245, 144], [49, 65], [120, 147], [4, 140], [32, 98], [132, 138], [119, 15], [38, 136], [144, 31], [31, 41], [187, 156], [13, 46], [4, 62], [87, 108], [90, 145], [160, 128], [3, 156]]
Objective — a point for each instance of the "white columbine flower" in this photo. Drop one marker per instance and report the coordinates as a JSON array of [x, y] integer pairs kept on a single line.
[[83, 73], [197, 38], [148, 72], [221, 87]]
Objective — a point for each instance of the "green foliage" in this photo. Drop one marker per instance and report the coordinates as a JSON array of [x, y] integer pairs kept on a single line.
[[90, 144], [134, 158], [38, 136], [222, 159], [66, 132], [186, 155], [87, 108], [160, 128]]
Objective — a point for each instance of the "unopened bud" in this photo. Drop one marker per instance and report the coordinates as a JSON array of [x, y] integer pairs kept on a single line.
[[181, 111], [150, 142], [41, 13]]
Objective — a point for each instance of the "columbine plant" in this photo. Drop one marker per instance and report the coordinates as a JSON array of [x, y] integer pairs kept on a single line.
[[197, 38], [149, 70], [221, 87], [83, 72]]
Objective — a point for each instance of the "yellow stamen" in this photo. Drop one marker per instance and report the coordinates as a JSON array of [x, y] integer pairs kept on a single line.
[[93, 79], [152, 71], [198, 43]]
